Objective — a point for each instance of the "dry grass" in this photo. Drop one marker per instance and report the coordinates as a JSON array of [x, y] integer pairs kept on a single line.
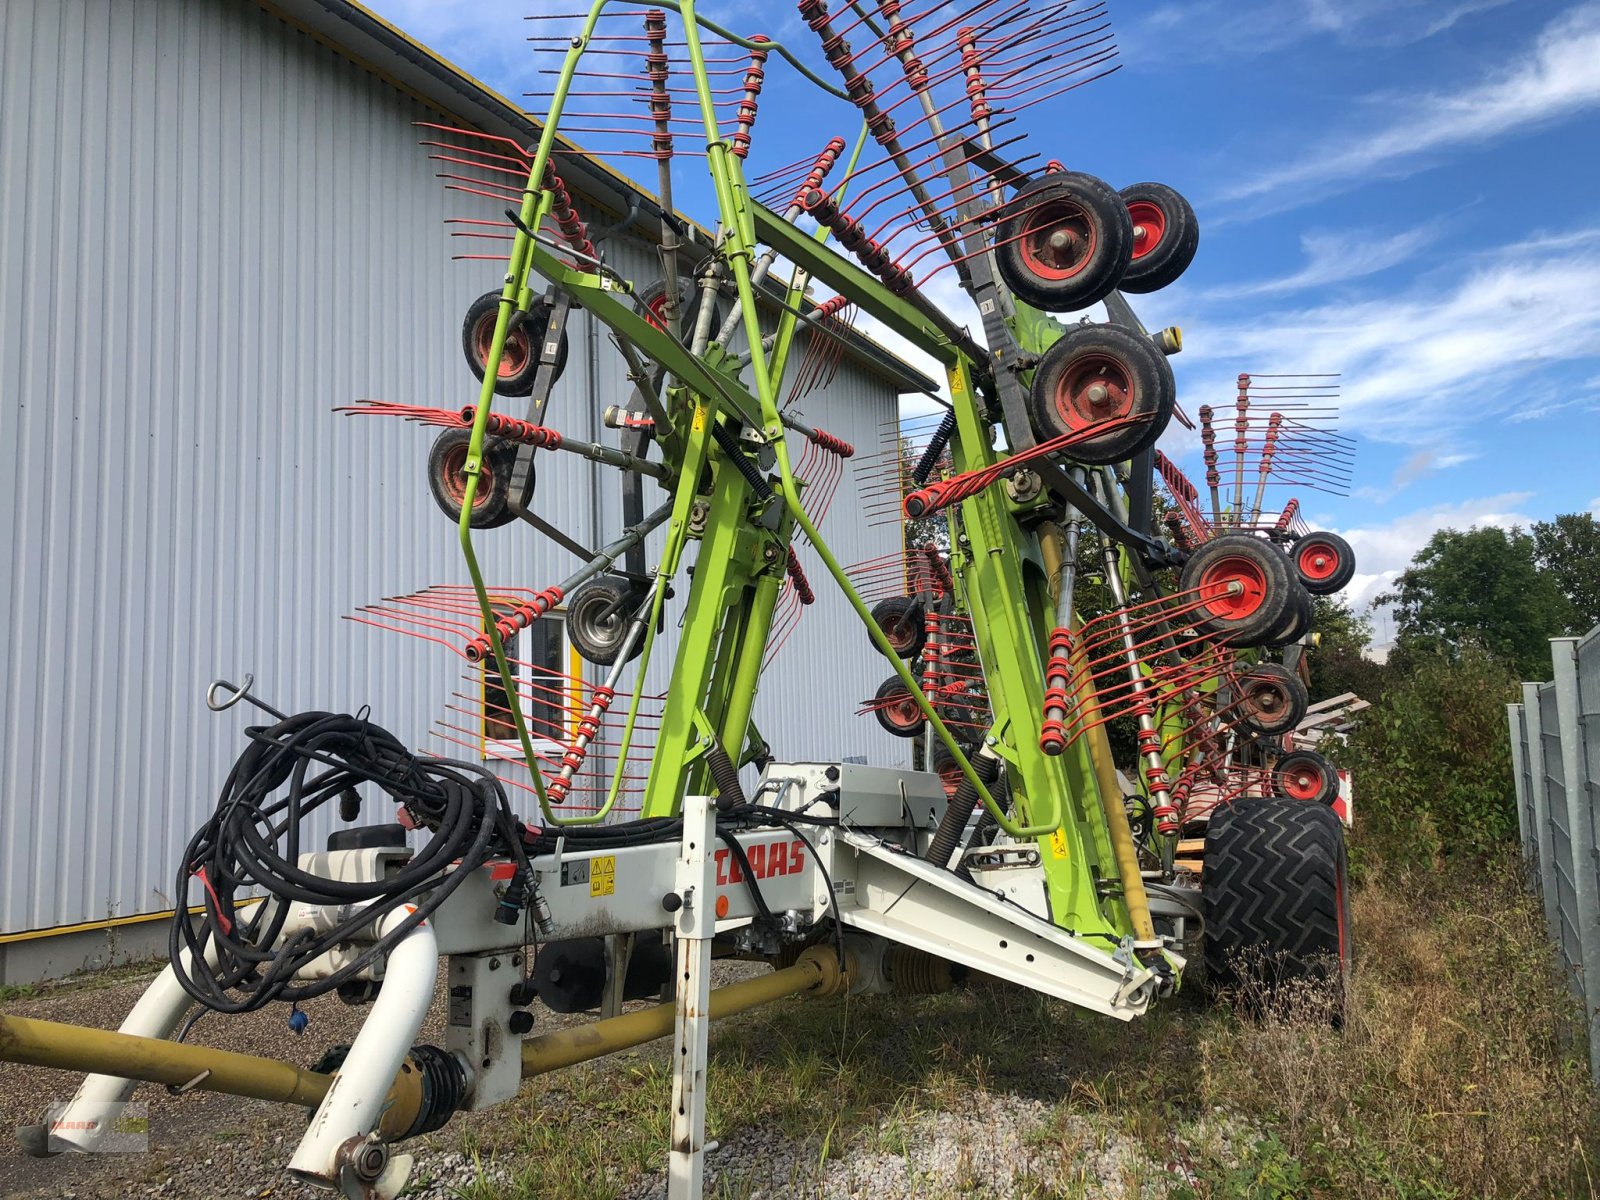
[[1460, 1072]]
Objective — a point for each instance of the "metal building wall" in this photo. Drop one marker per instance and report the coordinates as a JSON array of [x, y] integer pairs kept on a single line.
[[213, 229]]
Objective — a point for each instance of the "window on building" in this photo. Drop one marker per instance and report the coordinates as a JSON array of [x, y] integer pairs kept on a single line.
[[539, 664]]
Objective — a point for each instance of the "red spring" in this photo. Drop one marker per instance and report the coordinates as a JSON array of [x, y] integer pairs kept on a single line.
[[753, 79], [872, 254], [520, 617], [500, 425], [833, 444], [1286, 517], [940, 569], [1208, 436], [971, 60], [820, 168], [567, 220], [900, 43], [588, 730], [1057, 678], [1179, 531], [797, 576]]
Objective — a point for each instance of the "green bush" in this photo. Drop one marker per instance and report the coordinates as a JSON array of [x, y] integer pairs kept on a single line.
[[1431, 762]]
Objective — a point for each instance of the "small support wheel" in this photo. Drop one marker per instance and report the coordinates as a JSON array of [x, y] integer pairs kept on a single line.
[[1102, 375], [1276, 896], [1272, 699], [903, 623], [1242, 587], [447, 478], [897, 709], [1064, 242], [1166, 235], [1306, 775], [1324, 562], [652, 303], [519, 360], [598, 616]]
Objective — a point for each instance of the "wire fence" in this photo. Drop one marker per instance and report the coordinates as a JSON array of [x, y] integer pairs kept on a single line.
[[1555, 756]]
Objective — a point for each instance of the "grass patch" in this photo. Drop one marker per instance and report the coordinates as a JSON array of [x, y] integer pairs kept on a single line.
[[1460, 1072]]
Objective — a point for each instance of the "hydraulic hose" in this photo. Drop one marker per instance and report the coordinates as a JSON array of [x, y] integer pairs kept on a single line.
[[959, 811]]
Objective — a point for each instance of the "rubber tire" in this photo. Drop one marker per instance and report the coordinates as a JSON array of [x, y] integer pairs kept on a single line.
[[529, 331], [1343, 572], [1109, 224], [492, 505], [893, 687], [1278, 591], [1297, 700], [1169, 258], [902, 620], [1153, 391], [690, 295], [598, 643], [1328, 789], [1296, 623], [1276, 897]]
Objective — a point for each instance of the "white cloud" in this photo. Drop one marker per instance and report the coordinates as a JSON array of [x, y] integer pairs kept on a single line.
[[1383, 551], [1240, 28], [1336, 256], [1421, 365], [1555, 78]]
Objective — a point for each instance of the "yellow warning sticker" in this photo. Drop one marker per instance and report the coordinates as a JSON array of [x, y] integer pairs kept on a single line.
[[699, 417], [955, 382], [603, 876], [1058, 843]]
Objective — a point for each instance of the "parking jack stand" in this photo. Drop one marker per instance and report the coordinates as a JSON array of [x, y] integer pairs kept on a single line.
[[696, 923]]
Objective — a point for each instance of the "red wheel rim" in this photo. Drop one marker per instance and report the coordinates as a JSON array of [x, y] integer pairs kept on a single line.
[[902, 711], [901, 634], [1094, 389], [514, 355], [655, 310], [1303, 782], [1317, 560], [453, 475], [1058, 240], [1216, 587], [1149, 226]]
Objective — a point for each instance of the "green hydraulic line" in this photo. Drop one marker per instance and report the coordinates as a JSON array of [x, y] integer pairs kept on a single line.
[[742, 236]]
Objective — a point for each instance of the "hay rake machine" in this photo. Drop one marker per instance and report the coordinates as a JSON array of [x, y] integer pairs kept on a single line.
[[1061, 580]]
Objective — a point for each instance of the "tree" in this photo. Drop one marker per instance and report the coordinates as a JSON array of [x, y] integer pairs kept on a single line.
[[1480, 587], [1569, 549], [1430, 763], [1339, 663]]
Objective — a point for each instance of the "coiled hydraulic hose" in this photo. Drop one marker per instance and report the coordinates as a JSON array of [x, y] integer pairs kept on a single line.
[[959, 811]]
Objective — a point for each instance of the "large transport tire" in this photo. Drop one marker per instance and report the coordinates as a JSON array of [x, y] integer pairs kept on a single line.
[[1255, 614], [1272, 699], [1305, 775], [1064, 242], [1296, 622], [447, 478], [903, 623], [1097, 375], [519, 361], [1276, 897], [1166, 234], [1325, 563]]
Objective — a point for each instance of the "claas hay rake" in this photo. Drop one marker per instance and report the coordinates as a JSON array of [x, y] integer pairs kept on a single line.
[[1099, 660]]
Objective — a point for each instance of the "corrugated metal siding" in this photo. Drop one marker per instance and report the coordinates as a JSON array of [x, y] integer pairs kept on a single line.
[[213, 230]]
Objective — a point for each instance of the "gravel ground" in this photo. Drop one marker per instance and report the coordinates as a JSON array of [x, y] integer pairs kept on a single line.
[[1002, 1146], [206, 1145]]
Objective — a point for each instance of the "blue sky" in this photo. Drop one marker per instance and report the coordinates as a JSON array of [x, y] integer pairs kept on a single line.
[[1405, 191]]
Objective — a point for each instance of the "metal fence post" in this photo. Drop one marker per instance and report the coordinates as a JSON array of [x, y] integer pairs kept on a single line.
[[1580, 825], [1544, 852], [1519, 758]]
